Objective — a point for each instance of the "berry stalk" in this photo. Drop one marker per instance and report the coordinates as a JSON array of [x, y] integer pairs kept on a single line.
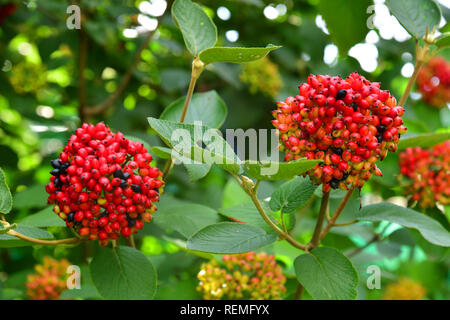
[[197, 69], [322, 212], [252, 193], [339, 210], [421, 56]]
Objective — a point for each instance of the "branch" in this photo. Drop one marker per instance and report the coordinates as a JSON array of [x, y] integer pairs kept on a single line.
[[315, 240], [81, 77], [339, 210], [130, 241], [197, 69], [105, 104], [248, 187], [38, 241], [375, 238], [44, 242], [299, 291], [421, 55]]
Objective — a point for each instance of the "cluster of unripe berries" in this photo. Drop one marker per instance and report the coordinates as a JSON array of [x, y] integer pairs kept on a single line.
[[433, 81], [253, 276], [404, 289], [348, 124], [262, 76], [103, 185], [425, 174], [49, 281]]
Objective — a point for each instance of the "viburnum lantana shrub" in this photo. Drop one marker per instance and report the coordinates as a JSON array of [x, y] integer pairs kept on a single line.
[[433, 82], [425, 174], [334, 133], [103, 185], [349, 123], [255, 276], [49, 281], [405, 289]]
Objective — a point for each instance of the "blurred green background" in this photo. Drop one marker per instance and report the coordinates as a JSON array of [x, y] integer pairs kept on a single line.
[[40, 108]]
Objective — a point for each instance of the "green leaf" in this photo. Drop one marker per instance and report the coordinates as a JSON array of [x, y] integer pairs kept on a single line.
[[197, 171], [430, 117], [186, 218], [87, 291], [5, 195], [189, 137], [229, 238], [416, 15], [327, 274], [43, 218], [278, 170], [443, 41], [346, 21], [7, 241], [123, 273], [234, 54], [11, 294], [32, 197], [246, 213], [199, 32], [292, 195], [207, 107], [430, 229], [162, 152], [233, 194], [175, 79], [423, 140]]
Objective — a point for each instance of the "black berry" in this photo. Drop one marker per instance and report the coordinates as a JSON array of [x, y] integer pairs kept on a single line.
[[341, 94], [56, 164]]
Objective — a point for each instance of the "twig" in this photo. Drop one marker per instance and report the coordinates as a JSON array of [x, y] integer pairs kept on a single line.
[[421, 55], [339, 210], [130, 241], [81, 76], [315, 240], [299, 291], [105, 104], [34, 240], [344, 224], [244, 184], [375, 238], [283, 224], [197, 69], [44, 242]]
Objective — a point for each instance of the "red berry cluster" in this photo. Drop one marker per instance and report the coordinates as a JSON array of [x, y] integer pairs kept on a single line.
[[349, 124], [103, 184], [426, 174], [433, 82]]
